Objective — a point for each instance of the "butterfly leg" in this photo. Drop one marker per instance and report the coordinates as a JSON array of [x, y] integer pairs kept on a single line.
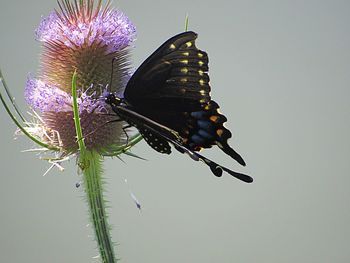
[[126, 134], [107, 122]]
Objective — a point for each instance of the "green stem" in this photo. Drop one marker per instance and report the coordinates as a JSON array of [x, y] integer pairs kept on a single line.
[[186, 23], [11, 98], [90, 163], [92, 183]]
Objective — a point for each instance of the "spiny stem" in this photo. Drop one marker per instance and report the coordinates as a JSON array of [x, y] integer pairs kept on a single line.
[[92, 183], [90, 163]]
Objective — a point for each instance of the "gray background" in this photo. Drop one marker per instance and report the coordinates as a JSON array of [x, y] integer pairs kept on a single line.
[[280, 70]]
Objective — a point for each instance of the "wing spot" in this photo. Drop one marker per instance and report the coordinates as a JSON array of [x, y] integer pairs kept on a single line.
[[219, 132], [155, 139], [186, 54], [184, 80], [184, 61], [189, 44], [183, 91], [184, 70], [200, 72], [214, 118], [202, 100], [172, 46], [202, 92], [200, 55], [201, 82], [200, 63]]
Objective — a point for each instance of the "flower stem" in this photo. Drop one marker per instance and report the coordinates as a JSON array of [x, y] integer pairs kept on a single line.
[[93, 187], [186, 23], [90, 164], [11, 98]]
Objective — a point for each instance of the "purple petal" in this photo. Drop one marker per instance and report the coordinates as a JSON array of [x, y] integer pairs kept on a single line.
[[112, 29], [44, 97]]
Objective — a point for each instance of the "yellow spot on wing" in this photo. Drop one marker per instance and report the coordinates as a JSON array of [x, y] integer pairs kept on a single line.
[[183, 79], [189, 44], [201, 82], [200, 63], [184, 70], [200, 55], [186, 54], [185, 61], [172, 46], [200, 72]]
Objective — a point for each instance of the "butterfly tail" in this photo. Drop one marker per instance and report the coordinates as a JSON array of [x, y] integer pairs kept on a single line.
[[216, 169], [229, 151]]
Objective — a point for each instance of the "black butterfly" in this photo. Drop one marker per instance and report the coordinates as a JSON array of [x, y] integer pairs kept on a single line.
[[167, 99]]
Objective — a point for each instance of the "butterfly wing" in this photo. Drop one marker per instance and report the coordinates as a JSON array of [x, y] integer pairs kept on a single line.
[[159, 136], [174, 77], [199, 129], [157, 142], [172, 88]]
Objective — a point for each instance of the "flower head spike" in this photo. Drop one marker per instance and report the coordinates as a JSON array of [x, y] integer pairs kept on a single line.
[[86, 39]]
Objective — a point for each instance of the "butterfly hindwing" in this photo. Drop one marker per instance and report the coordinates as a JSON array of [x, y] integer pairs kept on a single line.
[[159, 136], [157, 142], [199, 129]]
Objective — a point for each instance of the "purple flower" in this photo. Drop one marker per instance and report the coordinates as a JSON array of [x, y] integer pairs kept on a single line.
[[86, 40]]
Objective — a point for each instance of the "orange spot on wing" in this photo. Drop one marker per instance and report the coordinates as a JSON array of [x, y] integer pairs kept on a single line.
[[214, 118]]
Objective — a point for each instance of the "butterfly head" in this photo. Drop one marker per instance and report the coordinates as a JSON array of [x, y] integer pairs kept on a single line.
[[112, 100]]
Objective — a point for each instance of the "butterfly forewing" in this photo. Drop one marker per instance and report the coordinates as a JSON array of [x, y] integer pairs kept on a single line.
[[174, 77]]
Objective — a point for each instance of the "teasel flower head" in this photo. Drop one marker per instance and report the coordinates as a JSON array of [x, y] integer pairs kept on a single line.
[[85, 57], [92, 41]]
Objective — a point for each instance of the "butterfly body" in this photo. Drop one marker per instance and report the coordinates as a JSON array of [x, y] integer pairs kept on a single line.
[[168, 100]]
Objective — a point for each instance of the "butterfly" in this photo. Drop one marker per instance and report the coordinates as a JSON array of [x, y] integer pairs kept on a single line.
[[168, 100]]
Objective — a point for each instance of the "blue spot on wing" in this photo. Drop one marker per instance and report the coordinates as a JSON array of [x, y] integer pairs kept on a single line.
[[206, 125], [205, 134], [197, 139], [199, 115]]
